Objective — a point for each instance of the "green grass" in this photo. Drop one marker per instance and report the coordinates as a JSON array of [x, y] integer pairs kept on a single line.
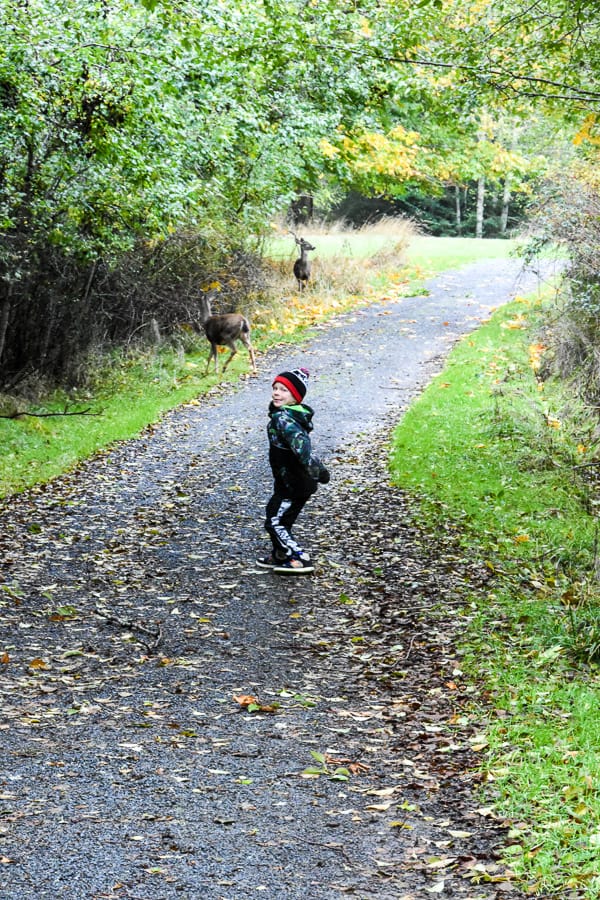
[[432, 254], [346, 245], [337, 240], [439, 254], [485, 423], [134, 395], [492, 451]]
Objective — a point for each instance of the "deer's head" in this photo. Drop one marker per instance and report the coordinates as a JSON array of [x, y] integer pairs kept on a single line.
[[303, 244]]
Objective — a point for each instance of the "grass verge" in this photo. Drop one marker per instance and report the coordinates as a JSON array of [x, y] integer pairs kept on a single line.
[[500, 456]]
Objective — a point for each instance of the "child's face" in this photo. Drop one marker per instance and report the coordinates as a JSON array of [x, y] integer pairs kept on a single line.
[[281, 396]]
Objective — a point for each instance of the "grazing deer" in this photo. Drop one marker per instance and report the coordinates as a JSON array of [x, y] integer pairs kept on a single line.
[[224, 331], [302, 264]]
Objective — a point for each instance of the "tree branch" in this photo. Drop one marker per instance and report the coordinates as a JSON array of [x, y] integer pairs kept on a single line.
[[573, 93], [155, 633], [18, 413], [568, 93]]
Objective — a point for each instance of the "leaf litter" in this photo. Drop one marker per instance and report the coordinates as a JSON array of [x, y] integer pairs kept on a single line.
[[359, 682], [161, 708]]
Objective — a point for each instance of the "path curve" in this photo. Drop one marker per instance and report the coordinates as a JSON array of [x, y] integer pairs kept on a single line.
[[128, 770]]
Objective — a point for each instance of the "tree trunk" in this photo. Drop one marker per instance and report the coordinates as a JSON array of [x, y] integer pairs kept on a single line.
[[457, 207], [506, 189], [4, 315], [49, 321], [505, 205], [480, 207]]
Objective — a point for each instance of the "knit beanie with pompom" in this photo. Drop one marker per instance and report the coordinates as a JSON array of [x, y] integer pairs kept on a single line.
[[295, 381]]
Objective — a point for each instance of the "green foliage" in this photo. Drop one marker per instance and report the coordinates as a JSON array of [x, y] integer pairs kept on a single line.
[[323, 767], [567, 213], [558, 44], [125, 124], [136, 120], [435, 213]]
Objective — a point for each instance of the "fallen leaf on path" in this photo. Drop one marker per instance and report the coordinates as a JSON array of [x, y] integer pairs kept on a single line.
[[383, 792], [442, 862], [253, 704], [245, 699]]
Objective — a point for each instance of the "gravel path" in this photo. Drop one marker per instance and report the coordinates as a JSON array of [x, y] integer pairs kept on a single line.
[[162, 698]]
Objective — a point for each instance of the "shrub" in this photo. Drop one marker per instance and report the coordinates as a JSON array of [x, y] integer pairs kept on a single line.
[[568, 214]]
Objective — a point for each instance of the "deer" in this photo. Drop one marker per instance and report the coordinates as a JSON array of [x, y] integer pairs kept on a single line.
[[302, 264], [223, 331]]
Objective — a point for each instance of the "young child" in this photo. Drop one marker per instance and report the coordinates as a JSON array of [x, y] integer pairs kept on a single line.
[[296, 471]]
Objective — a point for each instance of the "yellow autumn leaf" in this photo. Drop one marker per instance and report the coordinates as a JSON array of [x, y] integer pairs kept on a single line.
[[536, 351], [585, 132], [365, 28], [38, 663], [328, 150], [246, 700], [513, 324]]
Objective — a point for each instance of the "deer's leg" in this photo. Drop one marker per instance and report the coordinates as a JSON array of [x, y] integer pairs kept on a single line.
[[245, 339], [233, 349], [213, 352]]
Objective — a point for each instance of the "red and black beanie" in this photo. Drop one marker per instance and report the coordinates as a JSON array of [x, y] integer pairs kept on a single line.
[[296, 382]]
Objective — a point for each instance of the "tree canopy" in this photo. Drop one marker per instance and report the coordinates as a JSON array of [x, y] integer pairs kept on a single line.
[[123, 123]]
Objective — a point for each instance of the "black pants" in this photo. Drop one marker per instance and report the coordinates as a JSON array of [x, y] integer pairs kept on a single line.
[[282, 512]]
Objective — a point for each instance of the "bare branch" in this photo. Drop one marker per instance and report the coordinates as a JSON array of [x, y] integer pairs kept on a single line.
[[565, 91], [46, 415], [155, 633]]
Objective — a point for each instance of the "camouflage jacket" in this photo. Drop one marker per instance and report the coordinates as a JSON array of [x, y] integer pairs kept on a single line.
[[295, 467]]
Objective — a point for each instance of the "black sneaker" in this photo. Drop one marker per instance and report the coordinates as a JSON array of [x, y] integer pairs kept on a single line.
[[269, 562], [294, 566]]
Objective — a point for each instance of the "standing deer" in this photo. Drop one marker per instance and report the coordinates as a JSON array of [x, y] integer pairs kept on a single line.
[[302, 264], [223, 331]]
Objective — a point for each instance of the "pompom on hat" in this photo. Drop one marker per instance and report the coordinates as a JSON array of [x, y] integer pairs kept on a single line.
[[296, 382]]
